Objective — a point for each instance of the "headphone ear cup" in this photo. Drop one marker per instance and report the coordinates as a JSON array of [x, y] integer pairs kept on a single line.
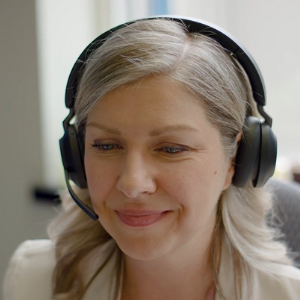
[[72, 156], [268, 154], [247, 157]]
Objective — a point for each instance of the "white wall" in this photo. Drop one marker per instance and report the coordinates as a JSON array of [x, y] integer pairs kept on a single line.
[[20, 135], [64, 28], [270, 29]]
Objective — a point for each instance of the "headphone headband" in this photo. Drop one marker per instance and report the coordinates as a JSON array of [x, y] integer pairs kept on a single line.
[[193, 25]]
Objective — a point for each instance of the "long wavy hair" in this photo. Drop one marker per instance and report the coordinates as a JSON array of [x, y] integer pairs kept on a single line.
[[155, 48]]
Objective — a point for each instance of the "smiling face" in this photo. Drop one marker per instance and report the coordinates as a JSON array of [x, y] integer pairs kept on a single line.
[[155, 168]]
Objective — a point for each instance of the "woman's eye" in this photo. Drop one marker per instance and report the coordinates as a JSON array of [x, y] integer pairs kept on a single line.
[[106, 147], [174, 150]]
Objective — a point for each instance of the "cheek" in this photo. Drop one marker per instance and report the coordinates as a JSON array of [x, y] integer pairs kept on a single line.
[[195, 178], [187, 186], [197, 187], [197, 194], [100, 180]]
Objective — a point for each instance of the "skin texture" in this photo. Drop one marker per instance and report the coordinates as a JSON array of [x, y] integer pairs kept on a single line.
[[155, 170]]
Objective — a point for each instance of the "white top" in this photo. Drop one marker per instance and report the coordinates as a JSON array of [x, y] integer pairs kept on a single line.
[[29, 276]]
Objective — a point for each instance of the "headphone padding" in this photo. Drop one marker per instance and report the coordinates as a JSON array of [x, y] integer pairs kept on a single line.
[[72, 157], [246, 162], [268, 155]]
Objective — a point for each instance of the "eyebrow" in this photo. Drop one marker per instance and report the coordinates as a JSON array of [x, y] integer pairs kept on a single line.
[[166, 129], [104, 128], [152, 133]]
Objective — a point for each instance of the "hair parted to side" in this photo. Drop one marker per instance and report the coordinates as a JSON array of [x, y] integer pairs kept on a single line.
[[166, 48]]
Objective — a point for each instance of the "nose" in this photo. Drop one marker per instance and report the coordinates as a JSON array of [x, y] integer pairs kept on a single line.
[[136, 177]]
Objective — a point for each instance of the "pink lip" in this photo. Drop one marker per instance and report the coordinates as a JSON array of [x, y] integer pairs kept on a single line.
[[140, 218]]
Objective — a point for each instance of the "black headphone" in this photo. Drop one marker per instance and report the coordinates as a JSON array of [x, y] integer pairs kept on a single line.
[[256, 156]]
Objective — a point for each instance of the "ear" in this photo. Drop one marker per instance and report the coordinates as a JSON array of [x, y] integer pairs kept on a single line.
[[231, 168]]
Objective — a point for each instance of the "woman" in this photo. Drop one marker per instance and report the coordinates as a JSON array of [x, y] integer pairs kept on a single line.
[[160, 115]]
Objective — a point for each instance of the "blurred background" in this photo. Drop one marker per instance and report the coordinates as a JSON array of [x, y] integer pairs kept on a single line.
[[39, 43]]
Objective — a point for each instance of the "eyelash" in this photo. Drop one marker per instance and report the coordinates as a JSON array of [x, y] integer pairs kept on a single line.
[[101, 147], [172, 150]]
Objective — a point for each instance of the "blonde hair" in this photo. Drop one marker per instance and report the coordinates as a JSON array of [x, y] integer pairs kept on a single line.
[[162, 47]]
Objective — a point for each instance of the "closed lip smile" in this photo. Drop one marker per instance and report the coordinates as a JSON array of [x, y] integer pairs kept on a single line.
[[140, 218]]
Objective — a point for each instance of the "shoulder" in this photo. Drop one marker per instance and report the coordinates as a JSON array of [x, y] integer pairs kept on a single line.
[[285, 285], [29, 274]]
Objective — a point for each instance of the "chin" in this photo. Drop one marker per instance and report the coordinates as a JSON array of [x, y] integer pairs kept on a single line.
[[145, 249]]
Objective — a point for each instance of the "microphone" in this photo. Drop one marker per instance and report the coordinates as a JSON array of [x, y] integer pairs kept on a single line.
[[82, 205]]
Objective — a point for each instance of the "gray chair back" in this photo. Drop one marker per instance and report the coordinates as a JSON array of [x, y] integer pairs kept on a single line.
[[287, 214]]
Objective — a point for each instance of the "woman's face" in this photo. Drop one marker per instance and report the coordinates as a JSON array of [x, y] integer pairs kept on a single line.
[[155, 168]]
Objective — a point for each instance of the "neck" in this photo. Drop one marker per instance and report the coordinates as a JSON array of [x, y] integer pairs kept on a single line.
[[177, 277]]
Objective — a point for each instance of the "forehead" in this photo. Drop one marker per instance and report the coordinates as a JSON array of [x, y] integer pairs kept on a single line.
[[152, 106], [161, 95]]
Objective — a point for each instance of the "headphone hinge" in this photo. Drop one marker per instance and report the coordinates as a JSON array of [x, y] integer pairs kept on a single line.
[[66, 121], [267, 118]]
